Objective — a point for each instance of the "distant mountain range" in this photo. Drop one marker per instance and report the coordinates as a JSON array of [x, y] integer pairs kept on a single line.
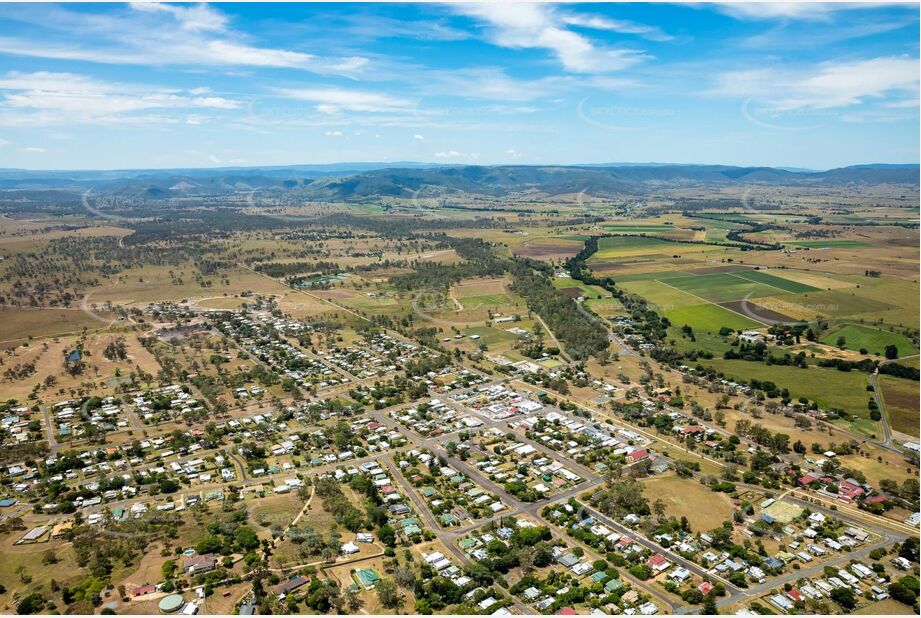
[[345, 181]]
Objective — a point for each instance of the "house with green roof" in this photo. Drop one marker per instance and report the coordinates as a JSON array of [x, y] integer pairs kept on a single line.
[[367, 577], [613, 585]]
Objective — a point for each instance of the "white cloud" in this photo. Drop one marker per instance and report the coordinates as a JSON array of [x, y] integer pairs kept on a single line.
[[198, 17], [158, 35], [336, 100], [803, 11], [418, 137], [825, 86], [617, 25], [333, 134], [449, 154], [46, 97], [34, 149], [513, 153], [540, 26]]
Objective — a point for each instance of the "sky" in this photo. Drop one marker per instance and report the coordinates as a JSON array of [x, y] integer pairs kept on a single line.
[[114, 86]]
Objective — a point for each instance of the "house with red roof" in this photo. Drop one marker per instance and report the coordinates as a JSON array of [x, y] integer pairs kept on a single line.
[[705, 588], [148, 589], [638, 455], [848, 491], [658, 563], [807, 479]]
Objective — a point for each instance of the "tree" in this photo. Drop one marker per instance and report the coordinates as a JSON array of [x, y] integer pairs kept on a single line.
[[387, 536], [844, 597], [246, 539], [901, 593], [710, 608], [31, 604], [404, 577], [658, 507], [892, 351], [387, 593], [352, 601]]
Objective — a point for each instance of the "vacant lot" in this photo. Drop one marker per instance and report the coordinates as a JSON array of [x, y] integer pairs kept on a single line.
[[19, 324], [479, 287], [900, 396], [605, 307], [889, 607], [683, 497]]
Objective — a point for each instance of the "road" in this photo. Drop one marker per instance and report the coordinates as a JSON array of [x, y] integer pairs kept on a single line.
[[884, 416], [49, 431], [889, 531]]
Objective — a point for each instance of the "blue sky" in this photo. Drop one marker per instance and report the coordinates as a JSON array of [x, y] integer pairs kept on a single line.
[[210, 85]]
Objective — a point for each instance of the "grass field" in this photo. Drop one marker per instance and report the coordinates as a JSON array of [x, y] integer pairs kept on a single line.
[[491, 336], [661, 296], [888, 607], [873, 340], [709, 318], [831, 388], [18, 324], [683, 497], [588, 291], [479, 287], [625, 246], [759, 276], [722, 287], [836, 303], [605, 307], [900, 396]]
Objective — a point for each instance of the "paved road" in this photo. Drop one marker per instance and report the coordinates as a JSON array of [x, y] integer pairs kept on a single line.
[[884, 416]]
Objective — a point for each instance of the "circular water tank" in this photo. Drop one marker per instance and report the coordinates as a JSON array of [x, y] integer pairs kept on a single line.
[[171, 604]]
